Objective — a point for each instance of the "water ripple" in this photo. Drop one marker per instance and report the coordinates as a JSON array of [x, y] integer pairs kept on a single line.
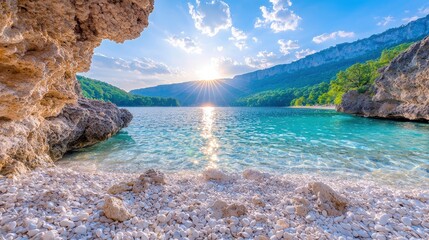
[[272, 139]]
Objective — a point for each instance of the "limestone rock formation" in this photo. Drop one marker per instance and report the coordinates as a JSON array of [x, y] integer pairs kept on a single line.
[[115, 209], [43, 44], [401, 92], [327, 199]]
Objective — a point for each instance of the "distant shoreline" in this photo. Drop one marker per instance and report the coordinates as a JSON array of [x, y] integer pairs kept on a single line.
[[330, 107]]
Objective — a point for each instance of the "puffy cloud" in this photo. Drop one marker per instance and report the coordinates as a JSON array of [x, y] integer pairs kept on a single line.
[[410, 19], [255, 39], [230, 67], [185, 43], [332, 36], [239, 38], [129, 74], [220, 48], [143, 66], [263, 59], [287, 45], [210, 16], [385, 21], [265, 54], [303, 53], [279, 18]]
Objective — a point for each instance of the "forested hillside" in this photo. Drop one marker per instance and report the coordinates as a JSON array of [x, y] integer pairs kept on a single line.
[[95, 89], [359, 76]]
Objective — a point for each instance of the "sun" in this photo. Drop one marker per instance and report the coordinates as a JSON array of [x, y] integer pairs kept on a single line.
[[208, 72]]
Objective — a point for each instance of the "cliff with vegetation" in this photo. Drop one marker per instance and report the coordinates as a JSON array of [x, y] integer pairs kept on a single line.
[[98, 90], [359, 76], [400, 92], [42, 46]]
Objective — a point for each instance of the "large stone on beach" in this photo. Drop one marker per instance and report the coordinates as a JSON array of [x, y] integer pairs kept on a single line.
[[302, 206], [150, 177], [222, 210], [254, 175], [43, 44], [119, 188], [327, 199], [217, 175], [115, 209]]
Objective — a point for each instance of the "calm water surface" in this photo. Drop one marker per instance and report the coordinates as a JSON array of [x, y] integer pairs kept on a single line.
[[281, 140]]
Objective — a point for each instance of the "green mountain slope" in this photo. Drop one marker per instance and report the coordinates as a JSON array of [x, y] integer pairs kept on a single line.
[[98, 90], [359, 76]]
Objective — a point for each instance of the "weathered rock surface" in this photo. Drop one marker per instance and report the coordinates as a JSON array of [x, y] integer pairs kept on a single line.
[[148, 178], [43, 44], [213, 174], [401, 92], [327, 199], [115, 209], [223, 210]]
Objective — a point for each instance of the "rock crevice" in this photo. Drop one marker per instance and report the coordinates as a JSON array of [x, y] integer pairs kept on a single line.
[[43, 44]]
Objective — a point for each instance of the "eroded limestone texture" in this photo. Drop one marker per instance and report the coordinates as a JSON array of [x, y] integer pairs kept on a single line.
[[43, 44], [401, 92]]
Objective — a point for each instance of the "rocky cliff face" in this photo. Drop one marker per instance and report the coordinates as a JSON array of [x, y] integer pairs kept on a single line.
[[42, 46], [373, 45], [401, 92]]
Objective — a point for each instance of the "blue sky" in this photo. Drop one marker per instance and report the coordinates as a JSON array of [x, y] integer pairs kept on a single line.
[[198, 39]]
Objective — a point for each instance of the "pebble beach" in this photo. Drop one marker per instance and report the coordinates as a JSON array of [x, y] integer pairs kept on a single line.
[[60, 203]]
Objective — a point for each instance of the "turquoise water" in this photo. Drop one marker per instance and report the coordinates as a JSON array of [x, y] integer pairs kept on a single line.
[[282, 140]]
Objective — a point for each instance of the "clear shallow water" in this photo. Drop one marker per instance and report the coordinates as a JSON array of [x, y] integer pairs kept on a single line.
[[281, 140]]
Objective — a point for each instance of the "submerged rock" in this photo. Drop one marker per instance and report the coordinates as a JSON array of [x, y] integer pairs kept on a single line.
[[43, 44], [115, 209], [401, 91], [327, 199]]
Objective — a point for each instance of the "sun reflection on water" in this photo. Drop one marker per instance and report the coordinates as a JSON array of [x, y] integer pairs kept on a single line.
[[211, 144]]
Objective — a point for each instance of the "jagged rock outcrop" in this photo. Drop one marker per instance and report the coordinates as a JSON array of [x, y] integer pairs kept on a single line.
[[43, 44], [401, 91]]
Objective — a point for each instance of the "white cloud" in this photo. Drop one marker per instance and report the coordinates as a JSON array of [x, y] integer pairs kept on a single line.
[[332, 36], [303, 53], [239, 38], [230, 67], [185, 43], [287, 46], [265, 54], [385, 21], [255, 39], [220, 48], [279, 18], [424, 10], [130, 74], [210, 16], [145, 66], [410, 19]]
